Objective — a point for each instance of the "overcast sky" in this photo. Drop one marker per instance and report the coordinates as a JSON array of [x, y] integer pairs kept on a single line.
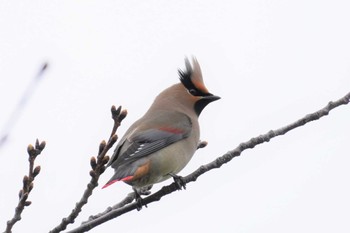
[[272, 62]]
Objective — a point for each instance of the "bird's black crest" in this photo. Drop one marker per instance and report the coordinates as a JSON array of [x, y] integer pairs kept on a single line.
[[185, 78]]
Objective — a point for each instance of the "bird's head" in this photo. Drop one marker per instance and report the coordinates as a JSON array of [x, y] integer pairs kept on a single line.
[[190, 95], [192, 81]]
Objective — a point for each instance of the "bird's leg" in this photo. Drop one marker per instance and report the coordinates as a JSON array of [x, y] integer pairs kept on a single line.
[[180, 183], [139, 200]]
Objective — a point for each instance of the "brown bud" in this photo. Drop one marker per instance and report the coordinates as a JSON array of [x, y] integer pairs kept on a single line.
[[115, 111], [25, 181], [105, 159], [27, 203], [114, 138], [102, 146], [30, 149], [37, 144], [93, 173], [93, 162], [122, 115], [42, 145], [202, 144], [36, 171]]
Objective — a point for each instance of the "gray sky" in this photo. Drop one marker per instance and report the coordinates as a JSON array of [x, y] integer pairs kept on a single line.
[[272, 62]]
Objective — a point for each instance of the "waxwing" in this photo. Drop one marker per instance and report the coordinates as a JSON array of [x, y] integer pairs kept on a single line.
[[161, 143]]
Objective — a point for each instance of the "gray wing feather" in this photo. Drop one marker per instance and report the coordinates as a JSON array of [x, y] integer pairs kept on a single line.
[[147, 143], [151, 140]]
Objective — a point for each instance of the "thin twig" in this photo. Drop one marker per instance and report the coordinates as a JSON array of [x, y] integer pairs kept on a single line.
[[98, 167], [28, 184], [20, 106], [217, 163]]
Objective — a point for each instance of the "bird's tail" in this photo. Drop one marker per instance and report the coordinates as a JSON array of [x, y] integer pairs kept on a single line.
[[114, 179]]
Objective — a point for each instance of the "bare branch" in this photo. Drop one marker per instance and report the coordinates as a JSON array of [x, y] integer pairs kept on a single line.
[[25, 98], [98, 166], [28, 185], [217, 163]]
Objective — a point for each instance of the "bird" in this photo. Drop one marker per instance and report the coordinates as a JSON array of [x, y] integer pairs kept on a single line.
[[162, 142]]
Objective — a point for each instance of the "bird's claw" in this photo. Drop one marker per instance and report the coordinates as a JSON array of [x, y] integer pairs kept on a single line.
[[139, 201], [179, 181]]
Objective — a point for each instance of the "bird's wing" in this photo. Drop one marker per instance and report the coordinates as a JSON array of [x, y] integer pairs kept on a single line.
[[145, 142]]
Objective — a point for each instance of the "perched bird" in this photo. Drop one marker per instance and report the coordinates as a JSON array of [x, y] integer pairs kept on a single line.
[[162, 142]]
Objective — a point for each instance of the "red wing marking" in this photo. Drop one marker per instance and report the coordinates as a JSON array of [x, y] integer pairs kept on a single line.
[[172, 130]]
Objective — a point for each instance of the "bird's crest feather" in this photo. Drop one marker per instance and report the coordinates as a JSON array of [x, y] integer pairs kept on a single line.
[[192, 78]]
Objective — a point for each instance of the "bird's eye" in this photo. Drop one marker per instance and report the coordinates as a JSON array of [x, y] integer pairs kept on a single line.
[[193, 92]]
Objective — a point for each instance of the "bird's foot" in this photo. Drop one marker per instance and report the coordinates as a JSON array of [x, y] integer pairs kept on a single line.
[[139, 201], [179, 181]]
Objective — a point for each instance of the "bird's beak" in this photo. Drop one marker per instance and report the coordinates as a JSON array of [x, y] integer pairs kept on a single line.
[[211, 98]]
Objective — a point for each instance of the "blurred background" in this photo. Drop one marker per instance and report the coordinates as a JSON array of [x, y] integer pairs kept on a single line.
[[272, 62]]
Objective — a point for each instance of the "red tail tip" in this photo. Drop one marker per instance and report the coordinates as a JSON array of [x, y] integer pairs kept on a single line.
[[113, 181], [109, 183]]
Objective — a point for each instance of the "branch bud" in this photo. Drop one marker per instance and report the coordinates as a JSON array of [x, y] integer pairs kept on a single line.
[[93, 173], [202, 144], [25, 181], [102, 146], [113, 139], [42, 145], [93, 162], [122, 115], [36, 171], [27, 203], [115, 111], [105, 160], [31, 150], [37, 144]]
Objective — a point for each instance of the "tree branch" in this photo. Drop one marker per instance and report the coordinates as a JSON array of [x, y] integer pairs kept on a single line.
[[98, 167], [217, 163], [28, 184]]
